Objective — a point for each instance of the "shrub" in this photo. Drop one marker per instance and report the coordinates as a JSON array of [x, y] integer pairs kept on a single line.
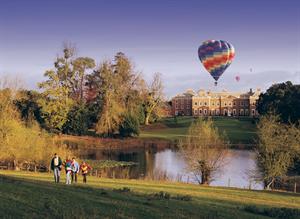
[[124, 189], [162, 195], [130, 126], [183, 197], [287, 213], [77, 121]]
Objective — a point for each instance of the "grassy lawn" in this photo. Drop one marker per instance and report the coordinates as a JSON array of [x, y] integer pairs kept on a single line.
[[34, 195], [238, 131]]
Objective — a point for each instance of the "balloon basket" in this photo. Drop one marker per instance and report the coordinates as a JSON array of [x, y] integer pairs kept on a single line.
[[216, 83]]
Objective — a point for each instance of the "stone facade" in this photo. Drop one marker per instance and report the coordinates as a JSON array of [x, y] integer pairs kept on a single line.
[[207, 103]]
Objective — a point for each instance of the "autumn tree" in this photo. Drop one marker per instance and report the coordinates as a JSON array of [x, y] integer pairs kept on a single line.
[[278, 146], [114, 90], [111, 109], [19, 143], [204, 150]]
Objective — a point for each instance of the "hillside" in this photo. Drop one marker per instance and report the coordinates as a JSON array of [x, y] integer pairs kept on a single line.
[[34, 195]]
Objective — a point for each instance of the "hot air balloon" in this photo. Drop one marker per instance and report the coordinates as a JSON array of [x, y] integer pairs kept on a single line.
[[237, 78], [216, 56]]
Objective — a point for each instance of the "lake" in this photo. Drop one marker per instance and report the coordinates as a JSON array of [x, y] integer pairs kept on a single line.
[[167, 163]]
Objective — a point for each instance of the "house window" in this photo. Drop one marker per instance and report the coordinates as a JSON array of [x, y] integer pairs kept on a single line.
[[205, 112], [229, 103], [176, 106], [217, 112], [195, 112], [242, 103], [205, 103], [200, 103], [218, 103], [213, 103], [233, 103], [188, 106], [196, 103], [246, 112], [253, 112], [225, 104], [241, 112], [200, 111], [234, 112]]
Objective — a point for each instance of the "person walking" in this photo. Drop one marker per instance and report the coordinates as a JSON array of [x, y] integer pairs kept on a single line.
[[75, 170], [56, 167], [84, 167], [68, 168]]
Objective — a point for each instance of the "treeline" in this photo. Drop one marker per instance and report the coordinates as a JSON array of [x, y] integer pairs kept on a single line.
[[78, 97], [278, 146], [20, 145]]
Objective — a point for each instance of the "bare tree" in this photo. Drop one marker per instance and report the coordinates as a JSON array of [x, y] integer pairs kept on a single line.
[[203, 150], [152, 96], [278, 146]]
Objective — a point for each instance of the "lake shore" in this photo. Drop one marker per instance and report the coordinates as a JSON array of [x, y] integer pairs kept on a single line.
[[90, 142]]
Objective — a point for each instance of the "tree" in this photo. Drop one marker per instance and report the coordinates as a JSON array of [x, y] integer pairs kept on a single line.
[[203, 150], [56, 98], [281, 99], [19, 143], [111, 110], [80, 66], [130, 126], [78, 120], [277, 148], [113, 90], [27, 104], [152, 97]]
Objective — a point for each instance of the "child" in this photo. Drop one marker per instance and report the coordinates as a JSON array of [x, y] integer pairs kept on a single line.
[[68, 168], [75, 168], [84, 167]]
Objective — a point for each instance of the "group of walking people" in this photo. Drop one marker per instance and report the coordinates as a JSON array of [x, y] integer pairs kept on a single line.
[[72, 169]]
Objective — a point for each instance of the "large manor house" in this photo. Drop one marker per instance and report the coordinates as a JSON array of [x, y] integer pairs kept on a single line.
[[207, 103]]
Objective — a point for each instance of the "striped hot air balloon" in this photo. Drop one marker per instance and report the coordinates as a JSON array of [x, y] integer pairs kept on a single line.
[[216, 56]]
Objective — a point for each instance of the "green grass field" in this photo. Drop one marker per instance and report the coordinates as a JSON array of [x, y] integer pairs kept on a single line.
[[238, 131], [34, 195]]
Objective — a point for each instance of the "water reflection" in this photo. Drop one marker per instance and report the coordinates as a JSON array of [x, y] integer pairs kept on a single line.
[[153, 162]]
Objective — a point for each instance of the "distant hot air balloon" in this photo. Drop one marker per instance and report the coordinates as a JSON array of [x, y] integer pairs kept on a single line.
[[216, 56], [237, 78]]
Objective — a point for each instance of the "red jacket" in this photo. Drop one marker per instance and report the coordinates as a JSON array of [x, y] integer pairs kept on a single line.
[[85, 168]]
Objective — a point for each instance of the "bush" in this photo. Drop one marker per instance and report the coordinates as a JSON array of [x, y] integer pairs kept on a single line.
[[130, 126], [124, 189], [162, 195], [287, 213], [77, 121], [183, 197]]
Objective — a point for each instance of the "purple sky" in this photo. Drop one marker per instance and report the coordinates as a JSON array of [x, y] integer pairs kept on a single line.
[[159, 36]]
